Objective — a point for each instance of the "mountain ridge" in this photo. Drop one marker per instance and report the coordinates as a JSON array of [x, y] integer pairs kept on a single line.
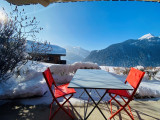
[[129, 53]]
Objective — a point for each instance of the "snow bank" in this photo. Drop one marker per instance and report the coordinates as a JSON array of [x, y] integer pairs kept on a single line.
[[149, 89], [150, 85], [115, 70], [29, 88], [29, 81], [139, 67], [64, 73]]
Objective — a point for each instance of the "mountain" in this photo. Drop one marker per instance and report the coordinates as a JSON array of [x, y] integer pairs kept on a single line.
[[75, 54], [144, 51]]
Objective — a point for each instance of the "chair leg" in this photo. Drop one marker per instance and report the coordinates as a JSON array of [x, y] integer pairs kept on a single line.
[[112, 98], [61, 107], [111, 107], [67, 100], [120, 111], [51, 109], [110, 101], [122, 108], [128, 107]]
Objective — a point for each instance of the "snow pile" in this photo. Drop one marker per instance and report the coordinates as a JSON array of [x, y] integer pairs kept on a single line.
[[152, 73], [29, 81], [30, 88], [149, 89], [116, 70], [139, 68], [64, 73], [150, 85]]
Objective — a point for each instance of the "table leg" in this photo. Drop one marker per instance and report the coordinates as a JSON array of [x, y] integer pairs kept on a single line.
[[98, 93], [85, 111], [96, 104]]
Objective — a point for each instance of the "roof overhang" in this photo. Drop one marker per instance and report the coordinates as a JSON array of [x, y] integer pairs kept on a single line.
[[47, 2]]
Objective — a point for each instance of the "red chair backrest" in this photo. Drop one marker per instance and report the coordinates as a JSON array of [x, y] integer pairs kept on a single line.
[[134, 77], [49, 78]]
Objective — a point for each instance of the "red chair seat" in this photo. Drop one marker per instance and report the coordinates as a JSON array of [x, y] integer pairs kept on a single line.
[[123, 93], [63, 90]]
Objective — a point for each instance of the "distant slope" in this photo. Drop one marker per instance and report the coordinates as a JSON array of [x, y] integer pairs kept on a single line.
[[75, 54], [144, 51]]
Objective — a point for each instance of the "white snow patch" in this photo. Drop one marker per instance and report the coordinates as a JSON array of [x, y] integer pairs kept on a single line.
[[146, 36], [149, 89], [29, 81], [157, 76], [115, 70], [139, 67]]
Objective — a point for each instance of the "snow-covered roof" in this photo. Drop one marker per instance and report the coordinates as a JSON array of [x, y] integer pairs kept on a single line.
[[146, 36], [41, 48]]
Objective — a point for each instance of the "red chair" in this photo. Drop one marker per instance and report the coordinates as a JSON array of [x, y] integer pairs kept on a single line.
[[59, 91], [134, 78]]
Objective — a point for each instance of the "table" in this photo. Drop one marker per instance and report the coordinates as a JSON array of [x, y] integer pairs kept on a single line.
[[96, 79]]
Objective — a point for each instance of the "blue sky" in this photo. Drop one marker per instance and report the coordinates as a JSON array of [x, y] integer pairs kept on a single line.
[[95, 25]]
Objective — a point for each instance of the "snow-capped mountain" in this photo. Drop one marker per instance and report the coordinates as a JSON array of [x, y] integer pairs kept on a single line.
[[75, 54], [146, 36], [144, 51]]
